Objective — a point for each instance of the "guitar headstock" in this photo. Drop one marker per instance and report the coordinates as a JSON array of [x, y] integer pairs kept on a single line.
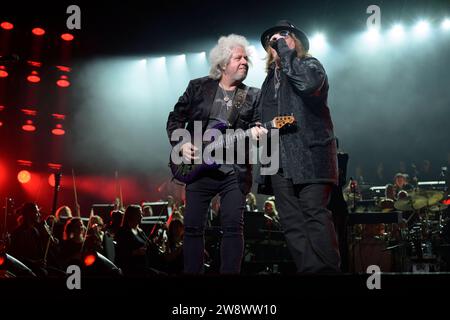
[[281, 121]]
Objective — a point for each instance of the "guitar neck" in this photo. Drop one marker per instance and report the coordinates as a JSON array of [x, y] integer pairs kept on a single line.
[[228, 139]]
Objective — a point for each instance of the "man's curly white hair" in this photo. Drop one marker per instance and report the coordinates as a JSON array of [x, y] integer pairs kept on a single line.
[[220, 55]]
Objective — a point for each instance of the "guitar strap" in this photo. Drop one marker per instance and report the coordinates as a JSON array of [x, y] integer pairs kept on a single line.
[[238, 101]]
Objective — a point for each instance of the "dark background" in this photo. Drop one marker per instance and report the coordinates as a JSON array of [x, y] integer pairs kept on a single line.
[[389, 104]]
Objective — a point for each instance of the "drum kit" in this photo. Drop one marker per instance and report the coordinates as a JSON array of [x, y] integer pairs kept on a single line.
[[423, 233]]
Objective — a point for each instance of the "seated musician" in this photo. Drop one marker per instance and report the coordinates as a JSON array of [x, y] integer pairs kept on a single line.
[[271, 215], [352, 192], [400, 188], [133, 246]]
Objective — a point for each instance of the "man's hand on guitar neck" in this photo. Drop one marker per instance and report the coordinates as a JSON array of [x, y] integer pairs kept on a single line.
[[257, 131], [189, 150]]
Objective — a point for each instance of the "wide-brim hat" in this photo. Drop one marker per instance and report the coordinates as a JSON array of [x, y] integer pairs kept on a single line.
[[285, 25]]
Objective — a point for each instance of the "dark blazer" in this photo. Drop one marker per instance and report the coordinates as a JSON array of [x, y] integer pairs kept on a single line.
[[308, 150], [195, 105]]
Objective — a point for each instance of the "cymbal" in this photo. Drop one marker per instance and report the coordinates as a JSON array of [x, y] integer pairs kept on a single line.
[[438, 207], [411, 203], [432, 196]]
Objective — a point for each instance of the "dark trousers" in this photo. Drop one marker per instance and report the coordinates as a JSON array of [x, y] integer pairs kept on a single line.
[[232, 200], [307, 224]]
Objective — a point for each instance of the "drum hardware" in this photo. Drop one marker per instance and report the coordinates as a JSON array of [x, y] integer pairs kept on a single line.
[[420, 234]]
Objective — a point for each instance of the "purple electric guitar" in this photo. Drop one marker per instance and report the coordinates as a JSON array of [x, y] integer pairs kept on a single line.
[[188, 172]]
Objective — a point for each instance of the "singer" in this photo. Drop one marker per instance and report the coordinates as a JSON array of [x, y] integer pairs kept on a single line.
[[296, 83]]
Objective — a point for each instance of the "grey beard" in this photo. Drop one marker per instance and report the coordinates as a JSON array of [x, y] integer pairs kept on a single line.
[[237, 77]]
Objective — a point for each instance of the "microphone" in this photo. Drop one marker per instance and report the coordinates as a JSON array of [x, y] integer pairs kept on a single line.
[[9, 58], [273, 44]]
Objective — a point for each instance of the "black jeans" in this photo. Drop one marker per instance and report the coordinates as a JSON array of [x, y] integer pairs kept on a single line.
[[307, 224], [232, 200]]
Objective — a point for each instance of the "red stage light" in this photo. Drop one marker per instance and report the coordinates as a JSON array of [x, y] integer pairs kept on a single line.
[[29, 126], [89, 260], [36, 64], [63, 82], [38, 31], [51, 180], [67, 37], [34, 77], [7, 25], [58, 130], [24, 176], [3, 72], [2, 260], [1, 123], [54, 166], [64, 68]]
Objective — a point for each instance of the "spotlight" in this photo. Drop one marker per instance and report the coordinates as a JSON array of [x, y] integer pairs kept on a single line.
[[67, 37], [422, 28], [161, 60], [445, 24], [318, 42], [63, 81], [181, 57], [3, 72], [24, 176], [397, 32], [34, 77], [56, 168], [51, 180], [143, 62], [372, 36], [7, 25], [58, 130], [29, 126], [64, 68], [38, 32]]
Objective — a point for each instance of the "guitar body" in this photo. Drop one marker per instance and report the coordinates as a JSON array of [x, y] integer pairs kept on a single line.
[[187, 172]]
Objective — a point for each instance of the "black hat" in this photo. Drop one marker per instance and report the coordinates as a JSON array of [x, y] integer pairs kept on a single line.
[[285, 25]]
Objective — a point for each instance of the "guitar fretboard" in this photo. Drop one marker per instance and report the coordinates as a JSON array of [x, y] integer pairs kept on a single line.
[[230, 138]]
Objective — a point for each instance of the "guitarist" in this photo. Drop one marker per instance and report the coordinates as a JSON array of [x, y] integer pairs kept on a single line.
[[210, 100]]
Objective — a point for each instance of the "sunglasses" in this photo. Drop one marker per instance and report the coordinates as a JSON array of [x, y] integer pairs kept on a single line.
[[283, 33]]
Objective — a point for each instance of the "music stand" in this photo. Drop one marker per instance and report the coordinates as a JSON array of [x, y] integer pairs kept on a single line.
[[103, 210], [254, 222], [159, 208]]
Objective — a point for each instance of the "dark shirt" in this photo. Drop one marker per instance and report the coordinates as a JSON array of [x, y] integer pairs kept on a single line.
[[219, 114], [70, 252], [127, 242], [270, 105], [26, 244]]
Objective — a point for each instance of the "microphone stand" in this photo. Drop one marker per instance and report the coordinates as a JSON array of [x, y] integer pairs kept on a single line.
[[353, 192]]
